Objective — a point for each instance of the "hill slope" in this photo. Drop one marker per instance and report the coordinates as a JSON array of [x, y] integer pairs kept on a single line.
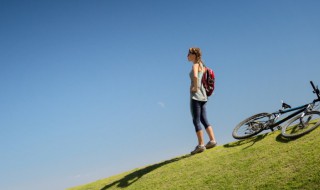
[[264, 162]]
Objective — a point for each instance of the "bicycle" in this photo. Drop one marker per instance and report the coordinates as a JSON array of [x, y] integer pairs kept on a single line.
[[303, 120]]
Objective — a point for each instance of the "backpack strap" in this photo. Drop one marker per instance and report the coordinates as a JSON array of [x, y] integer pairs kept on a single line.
[[204, 67]]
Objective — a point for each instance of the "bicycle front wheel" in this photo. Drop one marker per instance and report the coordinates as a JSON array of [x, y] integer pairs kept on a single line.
[[251, 126], [299, 125]]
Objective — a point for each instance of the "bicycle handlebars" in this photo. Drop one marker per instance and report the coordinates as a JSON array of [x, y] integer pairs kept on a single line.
[[316, 90]]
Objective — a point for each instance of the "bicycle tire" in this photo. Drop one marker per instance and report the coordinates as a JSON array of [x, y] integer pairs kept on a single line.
[[298, 126], [247, 128]]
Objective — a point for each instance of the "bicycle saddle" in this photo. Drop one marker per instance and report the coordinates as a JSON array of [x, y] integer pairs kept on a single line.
[[285, 106]]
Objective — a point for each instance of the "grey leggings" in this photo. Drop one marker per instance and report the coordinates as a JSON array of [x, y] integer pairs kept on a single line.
[[199, 114]]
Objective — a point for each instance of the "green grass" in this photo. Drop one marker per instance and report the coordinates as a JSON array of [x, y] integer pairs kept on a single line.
[[263, 162]]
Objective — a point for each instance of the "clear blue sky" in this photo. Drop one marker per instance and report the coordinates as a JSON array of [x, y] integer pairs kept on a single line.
[[90, 89]]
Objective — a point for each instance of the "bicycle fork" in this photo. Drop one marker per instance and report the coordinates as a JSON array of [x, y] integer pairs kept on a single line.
[[302, 123]]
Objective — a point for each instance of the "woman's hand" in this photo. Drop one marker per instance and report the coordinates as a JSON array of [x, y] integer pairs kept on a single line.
[[194, 89]]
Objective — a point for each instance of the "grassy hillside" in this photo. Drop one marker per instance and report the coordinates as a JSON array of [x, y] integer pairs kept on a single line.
[[263, 162]]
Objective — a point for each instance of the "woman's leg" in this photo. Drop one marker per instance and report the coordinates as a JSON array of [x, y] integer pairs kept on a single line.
[[210, 134], [200, 137], [196, 112], [205, 122]]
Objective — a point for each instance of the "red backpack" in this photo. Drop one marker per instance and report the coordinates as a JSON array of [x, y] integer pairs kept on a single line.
[[208, 81]]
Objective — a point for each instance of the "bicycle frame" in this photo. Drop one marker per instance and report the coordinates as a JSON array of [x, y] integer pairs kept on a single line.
[[300, 110], [280, 112], [266, 121]]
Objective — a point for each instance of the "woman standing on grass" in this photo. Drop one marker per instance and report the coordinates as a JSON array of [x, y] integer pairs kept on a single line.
[[198, 101]]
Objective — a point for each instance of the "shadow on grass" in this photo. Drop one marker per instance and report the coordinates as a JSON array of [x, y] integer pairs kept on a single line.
[[250, 142], [293, 130], [136, 175], [283, 139]]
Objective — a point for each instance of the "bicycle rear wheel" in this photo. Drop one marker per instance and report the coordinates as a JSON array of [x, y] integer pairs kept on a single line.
[[299, 126], [251, 126]]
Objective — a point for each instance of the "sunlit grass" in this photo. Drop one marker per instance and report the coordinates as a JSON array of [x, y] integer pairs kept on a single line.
[[267, 161]]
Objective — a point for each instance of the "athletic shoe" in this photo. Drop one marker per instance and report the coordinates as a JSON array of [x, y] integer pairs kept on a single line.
[[198, 149], [211, 144]]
